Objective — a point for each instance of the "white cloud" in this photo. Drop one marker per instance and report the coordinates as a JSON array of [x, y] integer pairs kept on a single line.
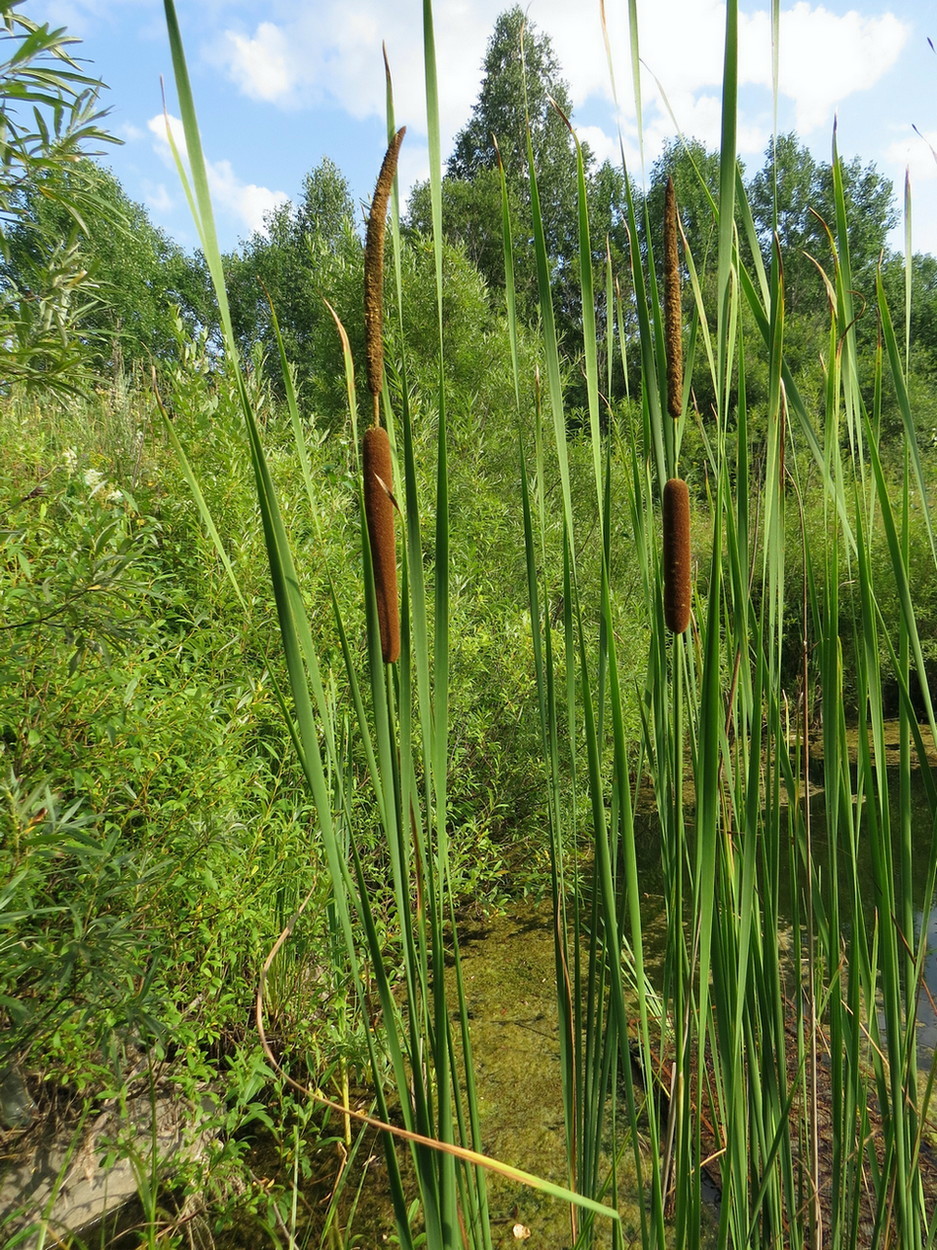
[[246, 202], [824, 56], [332, 52], [161, 127], [261, 67], [604, 147], [917, 153], [158, 198]]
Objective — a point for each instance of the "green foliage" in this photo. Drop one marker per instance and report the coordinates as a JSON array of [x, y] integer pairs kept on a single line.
[[78, 976], [307, 254], [923, 328], [50, 117], [156, 829], [136, 279], [523, 95], [472, 216], [792, 196], [148, 813], [50, 107], [695, 173], [521, 90], [137, 709]]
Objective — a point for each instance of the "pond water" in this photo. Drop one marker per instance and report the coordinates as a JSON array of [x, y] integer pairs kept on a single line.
[[508, 968], [925, 915], [508, 974]]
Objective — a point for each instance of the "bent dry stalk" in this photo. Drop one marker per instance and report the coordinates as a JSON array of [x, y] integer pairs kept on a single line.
[[676, 517], [378, 473]]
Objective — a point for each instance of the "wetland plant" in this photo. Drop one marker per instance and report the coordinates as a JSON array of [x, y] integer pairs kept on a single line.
[[776, 1046]]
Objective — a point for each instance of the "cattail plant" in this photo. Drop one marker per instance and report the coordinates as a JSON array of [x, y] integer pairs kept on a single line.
[[672, 310], [378, 480], [676, 555], [379, 512]]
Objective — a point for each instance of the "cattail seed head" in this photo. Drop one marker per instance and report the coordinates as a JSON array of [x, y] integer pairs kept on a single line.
[[374, 269], [676, 555], [379, 515], [673, 319]]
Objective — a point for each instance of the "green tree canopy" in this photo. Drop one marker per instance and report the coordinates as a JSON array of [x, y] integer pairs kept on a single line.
[[49, 117], [308, 253], [792, 196], [522, 93], [695, 173], [134, 276]]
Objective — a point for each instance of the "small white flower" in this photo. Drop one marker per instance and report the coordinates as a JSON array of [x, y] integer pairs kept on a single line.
[[70, 459], [94, 480], [114, 496]]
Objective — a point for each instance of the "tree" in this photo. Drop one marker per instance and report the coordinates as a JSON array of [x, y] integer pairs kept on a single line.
[[792, 195], [307, 254], [50, 117], [695, 173], [471, 210], [522, 93], [135, 277]]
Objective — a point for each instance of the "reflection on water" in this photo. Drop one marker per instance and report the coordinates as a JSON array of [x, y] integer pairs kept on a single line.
[[648, 850], [508, 969], [927, 997]]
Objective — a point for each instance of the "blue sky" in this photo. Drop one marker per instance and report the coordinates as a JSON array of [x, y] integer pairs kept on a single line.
[[281, 84]]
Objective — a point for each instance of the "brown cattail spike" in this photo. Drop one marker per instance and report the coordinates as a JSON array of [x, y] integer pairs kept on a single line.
[[374, 271], [676, 555], [673, 324], [379, 514]]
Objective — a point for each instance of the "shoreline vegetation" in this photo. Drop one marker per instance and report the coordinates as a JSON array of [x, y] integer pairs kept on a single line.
[[610, 599]]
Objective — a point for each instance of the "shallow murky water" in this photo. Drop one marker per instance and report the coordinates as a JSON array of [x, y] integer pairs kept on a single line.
[[508, 973], [509, 980]]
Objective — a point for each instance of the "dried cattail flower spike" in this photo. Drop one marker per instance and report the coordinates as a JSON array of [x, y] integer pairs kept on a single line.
[[378, 472], [673, 319], [374, 271], [379, 514], [676, 555]]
